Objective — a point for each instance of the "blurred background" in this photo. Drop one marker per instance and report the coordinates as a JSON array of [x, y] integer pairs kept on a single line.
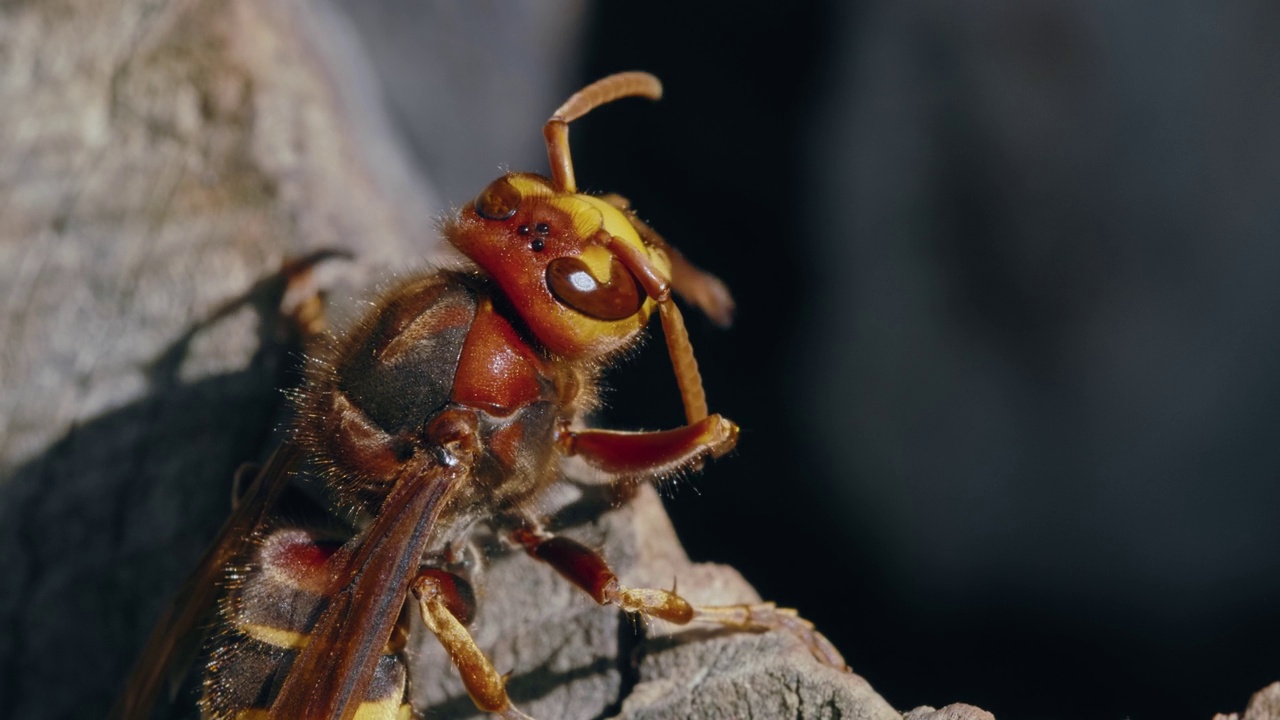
[[1008, 326]]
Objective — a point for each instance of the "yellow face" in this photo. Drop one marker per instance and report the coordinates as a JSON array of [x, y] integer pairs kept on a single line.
[[549, 253]]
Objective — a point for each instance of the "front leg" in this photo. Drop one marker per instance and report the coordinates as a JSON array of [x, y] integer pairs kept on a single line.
[[704, 290], [584, 567], [650, 454]]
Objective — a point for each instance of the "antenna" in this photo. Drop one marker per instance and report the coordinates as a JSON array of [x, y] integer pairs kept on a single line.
[[605, 90]]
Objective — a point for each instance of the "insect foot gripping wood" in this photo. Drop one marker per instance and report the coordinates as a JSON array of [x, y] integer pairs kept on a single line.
[[451, 406]]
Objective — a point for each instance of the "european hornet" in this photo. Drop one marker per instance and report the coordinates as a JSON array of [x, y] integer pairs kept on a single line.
[[452, 404]]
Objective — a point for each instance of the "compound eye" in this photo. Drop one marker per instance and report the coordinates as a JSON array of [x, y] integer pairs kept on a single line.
[[499, 201], [573, 285]]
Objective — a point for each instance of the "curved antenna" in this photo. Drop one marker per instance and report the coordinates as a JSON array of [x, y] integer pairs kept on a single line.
[[604, 90]]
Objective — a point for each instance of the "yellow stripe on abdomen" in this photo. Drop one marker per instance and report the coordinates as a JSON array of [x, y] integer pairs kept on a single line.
[[389, 709], [275, 637]]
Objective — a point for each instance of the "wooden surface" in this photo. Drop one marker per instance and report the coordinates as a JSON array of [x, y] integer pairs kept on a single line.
[[158, 160]]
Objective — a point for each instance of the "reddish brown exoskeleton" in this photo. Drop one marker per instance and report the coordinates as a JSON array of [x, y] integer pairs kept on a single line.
[[454, 403]]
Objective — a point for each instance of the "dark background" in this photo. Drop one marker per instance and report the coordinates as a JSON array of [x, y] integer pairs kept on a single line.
[[1007, 337]]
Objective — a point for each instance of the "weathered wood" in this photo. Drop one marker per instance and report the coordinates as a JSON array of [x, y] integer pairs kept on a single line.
[[158, 160], [1264, 705]]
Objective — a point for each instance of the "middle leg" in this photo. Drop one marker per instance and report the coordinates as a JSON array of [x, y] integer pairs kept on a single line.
[[586, 569]]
